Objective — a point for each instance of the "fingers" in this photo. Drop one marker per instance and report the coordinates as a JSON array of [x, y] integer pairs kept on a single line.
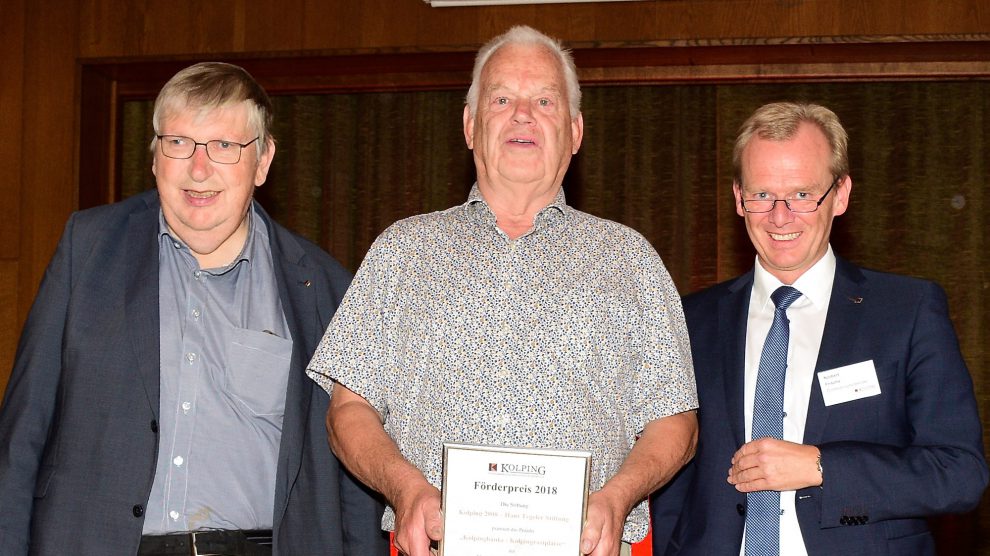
[[433, 522], [418, 523], [602, 529], [772, 464]]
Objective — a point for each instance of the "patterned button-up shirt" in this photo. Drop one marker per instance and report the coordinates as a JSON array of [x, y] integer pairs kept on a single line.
[[569, 337]]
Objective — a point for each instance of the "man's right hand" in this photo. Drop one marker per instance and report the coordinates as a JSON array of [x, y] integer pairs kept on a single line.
[[418, 521], [358, 438]]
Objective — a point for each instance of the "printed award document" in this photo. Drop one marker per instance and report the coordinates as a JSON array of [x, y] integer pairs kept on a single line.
[[500, 501]]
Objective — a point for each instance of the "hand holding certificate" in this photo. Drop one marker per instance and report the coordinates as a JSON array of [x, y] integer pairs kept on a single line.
[[513, 501]]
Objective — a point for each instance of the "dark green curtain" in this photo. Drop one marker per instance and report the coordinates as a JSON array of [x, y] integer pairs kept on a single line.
[[658, 158]]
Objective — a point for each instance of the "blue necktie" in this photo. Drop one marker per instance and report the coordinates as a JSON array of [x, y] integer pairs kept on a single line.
[[763, 507]]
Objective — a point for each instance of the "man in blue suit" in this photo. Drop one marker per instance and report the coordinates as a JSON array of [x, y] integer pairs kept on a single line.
[[158, 403], [836, 414]]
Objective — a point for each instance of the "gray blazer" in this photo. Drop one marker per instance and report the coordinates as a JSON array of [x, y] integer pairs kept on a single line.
[[79, 421]]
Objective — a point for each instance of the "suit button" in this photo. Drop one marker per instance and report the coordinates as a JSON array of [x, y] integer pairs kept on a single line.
[[154, 426], [137, 510], [740, 509]]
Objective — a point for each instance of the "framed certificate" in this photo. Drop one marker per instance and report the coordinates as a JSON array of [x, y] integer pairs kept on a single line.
[[500, 501]]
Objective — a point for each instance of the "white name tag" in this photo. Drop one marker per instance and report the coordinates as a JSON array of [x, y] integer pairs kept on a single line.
[[852, 382]]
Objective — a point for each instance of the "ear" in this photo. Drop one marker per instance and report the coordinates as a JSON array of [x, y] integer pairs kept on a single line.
[[842, 192], [468, 127], [264, 163], [577, 133], [737, 193]]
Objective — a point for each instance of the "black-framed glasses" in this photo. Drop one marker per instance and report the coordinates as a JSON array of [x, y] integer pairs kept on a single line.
[[219, 150], [793, 205]]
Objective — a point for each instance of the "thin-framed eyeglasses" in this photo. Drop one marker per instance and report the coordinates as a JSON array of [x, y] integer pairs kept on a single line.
[[219, 150], [793, 205]]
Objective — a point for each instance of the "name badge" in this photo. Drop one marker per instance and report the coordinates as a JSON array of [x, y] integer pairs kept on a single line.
[[852, 382]]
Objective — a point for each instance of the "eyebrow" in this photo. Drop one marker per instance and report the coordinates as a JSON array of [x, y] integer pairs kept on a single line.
[[809, 187]]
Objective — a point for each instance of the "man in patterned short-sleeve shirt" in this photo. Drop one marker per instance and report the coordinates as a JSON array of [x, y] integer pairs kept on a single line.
[[512, 320]]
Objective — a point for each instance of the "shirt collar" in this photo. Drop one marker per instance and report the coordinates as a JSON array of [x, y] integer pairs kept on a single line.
[[254, 230], [815, 284], [558, 209]]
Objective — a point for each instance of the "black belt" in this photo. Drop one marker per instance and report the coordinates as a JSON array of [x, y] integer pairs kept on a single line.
[[204, 543]]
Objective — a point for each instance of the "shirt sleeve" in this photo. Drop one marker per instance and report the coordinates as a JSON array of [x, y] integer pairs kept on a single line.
[[354, 350], [662, 383]]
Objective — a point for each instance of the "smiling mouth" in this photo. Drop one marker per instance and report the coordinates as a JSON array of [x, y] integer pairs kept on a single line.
[[202, 194], [523, 141], [784, 237]]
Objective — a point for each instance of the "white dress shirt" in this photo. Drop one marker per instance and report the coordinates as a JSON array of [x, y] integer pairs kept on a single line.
[[807, 321]]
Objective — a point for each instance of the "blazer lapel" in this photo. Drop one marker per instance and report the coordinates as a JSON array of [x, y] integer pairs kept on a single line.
[[299, 304], [141, 297], [733, 311], [842, 325]]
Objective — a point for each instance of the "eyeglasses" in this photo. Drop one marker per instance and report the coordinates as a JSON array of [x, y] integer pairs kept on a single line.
[[793, 205], [219, 151]]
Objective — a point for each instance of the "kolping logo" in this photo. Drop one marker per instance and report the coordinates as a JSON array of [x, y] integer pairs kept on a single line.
[[517, 469]]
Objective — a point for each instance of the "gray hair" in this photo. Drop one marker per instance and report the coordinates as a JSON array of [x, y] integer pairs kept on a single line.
[[210, 85], [526, 35], [779, 121]]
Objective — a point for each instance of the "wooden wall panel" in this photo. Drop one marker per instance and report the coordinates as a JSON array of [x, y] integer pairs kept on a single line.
[[11, 125], [48, 188], [11, 122], [150, 28], [11, 128]]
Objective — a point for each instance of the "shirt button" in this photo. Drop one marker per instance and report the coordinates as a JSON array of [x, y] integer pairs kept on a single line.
[[177, 245], [191, 357], [195, 314], [174, 515], [186, 406], [197, 274], [178, 461]]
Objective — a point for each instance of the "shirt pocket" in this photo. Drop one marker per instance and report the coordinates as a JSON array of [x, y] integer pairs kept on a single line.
[[258, 370]]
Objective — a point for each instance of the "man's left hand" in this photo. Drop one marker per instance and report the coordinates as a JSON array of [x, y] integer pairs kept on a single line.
[[602, 534], [772, 464]]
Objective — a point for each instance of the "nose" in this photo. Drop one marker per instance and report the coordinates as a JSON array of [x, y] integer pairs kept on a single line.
[[523, 113], [780, 215], [200, 166]]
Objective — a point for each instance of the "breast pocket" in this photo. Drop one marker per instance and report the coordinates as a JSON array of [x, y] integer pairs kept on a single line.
[[873, 418], [258, 370]]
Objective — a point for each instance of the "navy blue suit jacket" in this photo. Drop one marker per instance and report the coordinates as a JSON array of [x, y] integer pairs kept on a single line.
[[78, 426], [915, 450]]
